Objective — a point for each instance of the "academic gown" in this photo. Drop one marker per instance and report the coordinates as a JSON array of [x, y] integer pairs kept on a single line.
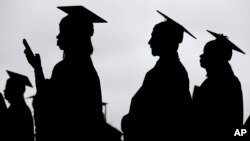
[[69, 107], [218, 105], [19, 123], [161, 107]]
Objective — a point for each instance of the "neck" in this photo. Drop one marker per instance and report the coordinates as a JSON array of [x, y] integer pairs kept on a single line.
[[168, 55], [76, 56], [170, 50], [219, 69], [79, 50]]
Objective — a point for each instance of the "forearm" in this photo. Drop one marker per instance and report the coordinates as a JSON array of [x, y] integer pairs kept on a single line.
[[39, 77]]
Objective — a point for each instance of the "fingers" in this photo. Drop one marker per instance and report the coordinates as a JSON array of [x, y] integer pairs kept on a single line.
[[38, 57], [26, 51], [38, 60]]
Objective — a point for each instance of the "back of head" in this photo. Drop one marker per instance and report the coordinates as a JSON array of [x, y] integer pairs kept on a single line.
[[76, 35], [218, 50], [76, 27], [168, 30], [221, 48], [15, 86], [80, 19], [168, 33], [14, 91]]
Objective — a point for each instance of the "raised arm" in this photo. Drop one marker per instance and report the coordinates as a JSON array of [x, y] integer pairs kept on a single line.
[[35, 62]]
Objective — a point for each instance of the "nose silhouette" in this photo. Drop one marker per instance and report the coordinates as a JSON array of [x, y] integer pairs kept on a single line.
[[57, 36], [150, 40], [201, 55]]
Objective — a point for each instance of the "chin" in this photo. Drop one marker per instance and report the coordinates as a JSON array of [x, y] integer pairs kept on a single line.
[[154, 53], [202, 65], [60, 47]]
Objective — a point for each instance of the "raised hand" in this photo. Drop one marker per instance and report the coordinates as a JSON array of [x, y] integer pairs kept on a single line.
[[34, 60]]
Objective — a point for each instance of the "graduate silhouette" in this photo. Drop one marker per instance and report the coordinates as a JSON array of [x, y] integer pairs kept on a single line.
[[218, 101], [17, 120], [68, 106], [161, 107]]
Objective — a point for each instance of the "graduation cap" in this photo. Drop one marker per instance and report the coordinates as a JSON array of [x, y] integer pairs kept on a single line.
[[21, 79], [225, 39], [180, 27], [82, 13]]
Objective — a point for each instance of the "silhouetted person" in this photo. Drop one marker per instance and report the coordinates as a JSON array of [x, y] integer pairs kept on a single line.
[[18, 120], [68, 106], [218, 101], [160, 108]]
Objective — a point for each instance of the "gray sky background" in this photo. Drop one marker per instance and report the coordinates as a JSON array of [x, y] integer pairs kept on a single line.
[[121, 53]]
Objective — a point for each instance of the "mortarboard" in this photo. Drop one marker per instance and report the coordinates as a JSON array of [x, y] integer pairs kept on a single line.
[[175, 23], [19, 78], [224, 38], [82, 13]]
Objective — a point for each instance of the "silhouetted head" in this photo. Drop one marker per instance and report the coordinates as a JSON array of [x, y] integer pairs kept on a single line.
[[15, 87], [217, 52], [166, 36], [76, 29]]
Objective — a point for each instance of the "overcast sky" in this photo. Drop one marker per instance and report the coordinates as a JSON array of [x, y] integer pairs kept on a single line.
[[121, 53]]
